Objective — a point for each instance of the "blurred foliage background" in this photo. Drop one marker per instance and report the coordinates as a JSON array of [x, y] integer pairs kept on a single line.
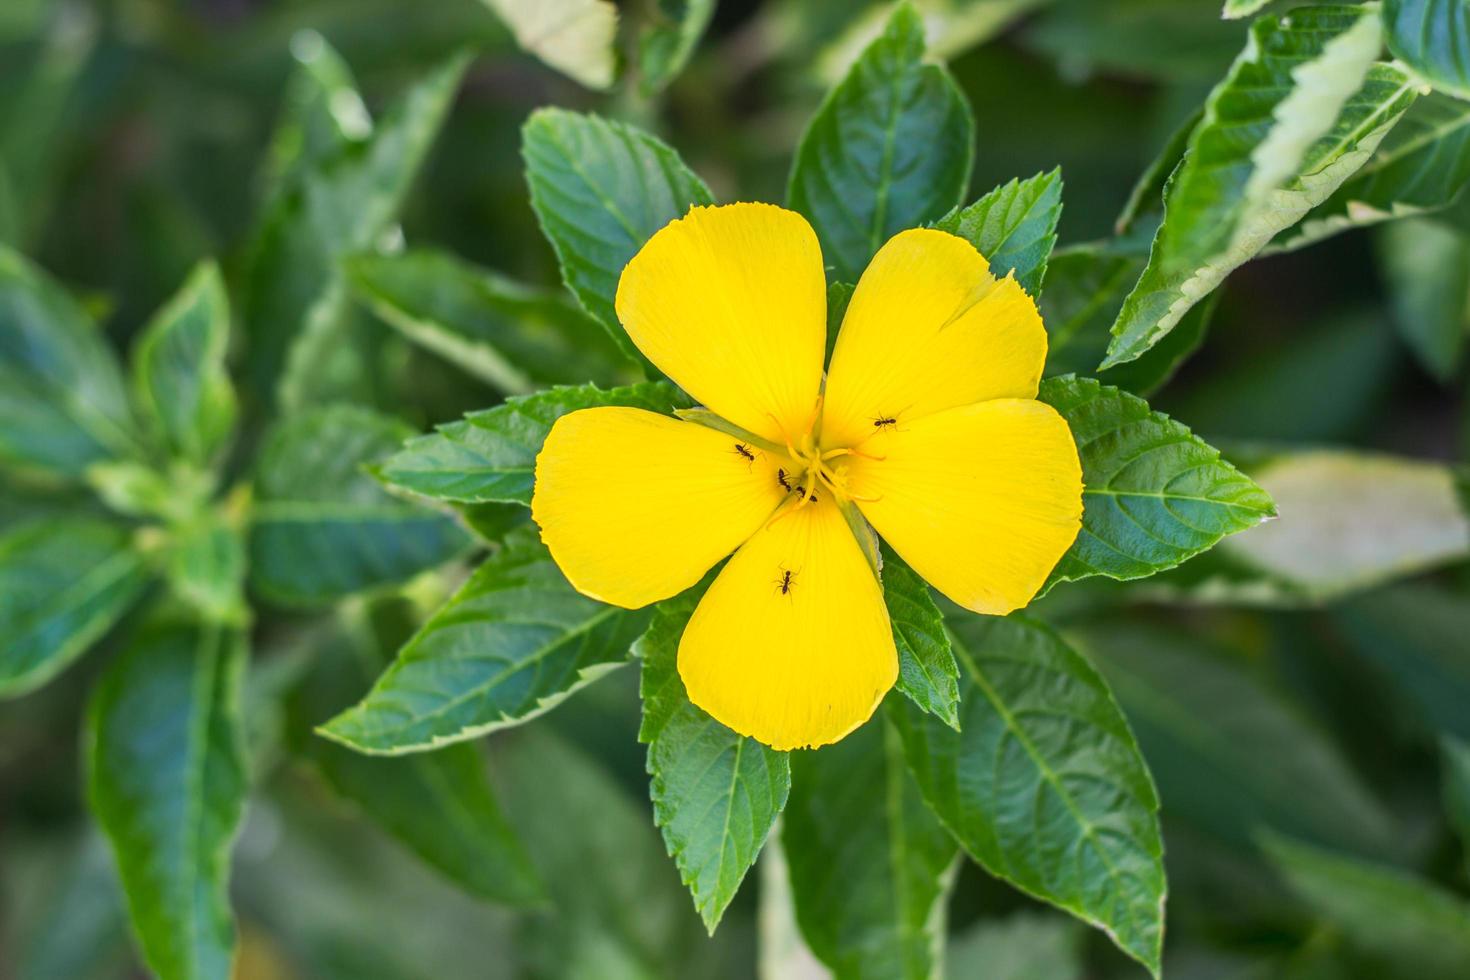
[[136, 138]]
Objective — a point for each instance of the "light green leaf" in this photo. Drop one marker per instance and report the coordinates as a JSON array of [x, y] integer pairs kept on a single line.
[[511, 644], [1308, 91], [1420, 167], [1014, 227], [1044, 784], [1154, 494], [63, 583], [890, 148], [205, 566], [180, 381], [166, 780], [927, 673], [716, 794], [340, 206], [1456, 769], [667, 41], [509, 335], [63, 405], [871, 867], [1433, 38], [576, 37], [1236, 9], [601, 189], [1022, 946], [1422, 929], [321, 527], [438, 804], [490, 456], [1426, 270]]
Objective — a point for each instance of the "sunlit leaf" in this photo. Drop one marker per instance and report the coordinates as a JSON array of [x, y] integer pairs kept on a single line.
[[576, 37]]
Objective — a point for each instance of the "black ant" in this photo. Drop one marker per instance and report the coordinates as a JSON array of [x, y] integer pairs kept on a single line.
[[744, 450], [883, 423], [781, 479], [784, 584]]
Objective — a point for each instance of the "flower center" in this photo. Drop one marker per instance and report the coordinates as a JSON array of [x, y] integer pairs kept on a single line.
[[816, 470]]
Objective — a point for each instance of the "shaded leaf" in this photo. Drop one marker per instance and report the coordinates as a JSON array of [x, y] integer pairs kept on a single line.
[[1433, 38], [1022, 946], [1456, 768], [321, 112], [1014, 227], [1426, 270], [667, 41], [927, 673]]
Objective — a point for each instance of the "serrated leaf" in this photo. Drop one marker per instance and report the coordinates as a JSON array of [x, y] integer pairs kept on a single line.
[[437, 804], [1314, 105], [667, 41], [1421, 166], [716, 794], [576, 37], [1014, 227], [507, 334], [1044, 784], [63, 405], [337, 208], [180, 382], [490, 456], [1456, 777], [322, 528], [927, 673], [1422, 929], [601, 189], [1426, 270], [63, 583], [1433, 38], [871, 867], [166, 780], [1153, 494], [890, 148], [511, 644]]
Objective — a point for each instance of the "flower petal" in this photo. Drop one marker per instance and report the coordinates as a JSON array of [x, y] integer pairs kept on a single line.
[[800, 667], [636, 506], [929, 328], [731, 303], [981, 500]]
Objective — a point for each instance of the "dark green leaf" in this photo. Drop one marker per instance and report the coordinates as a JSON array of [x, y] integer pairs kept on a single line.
[[839, 294], [490, 456], [667, 41], [166, 779], [1014, 227], [927, 673], [513, 642], [716, 794], [1426, 269], [1433, 38], [871, 867], [509, 335], [321, 527], [1456, 768], [63, 583], [890, 148], [1145, 206], [1153, 493], [321, 113], [601, 189], [1044, 784], [179, 378]]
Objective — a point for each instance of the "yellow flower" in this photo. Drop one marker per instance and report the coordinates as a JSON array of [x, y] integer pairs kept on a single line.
[[927, 430]]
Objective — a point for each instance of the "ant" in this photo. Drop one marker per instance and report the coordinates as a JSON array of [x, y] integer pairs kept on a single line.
[[883, 423], [781, 479], [784, 583], [744, 450]]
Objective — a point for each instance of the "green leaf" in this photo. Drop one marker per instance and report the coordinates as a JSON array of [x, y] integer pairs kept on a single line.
[[1304, 107], [1456, 768], [63, 583], [1044, 784], [1421, 166], [338, 207], [576, 37], [1236, 9], [166, 780], [490, 456], [1433, 38], [871, 867], [437, 804], [1014, 227], [63, 405], [890, 148], [1426, 270], [716, 794], [1153, 493], [502, 332], [179, 378], [601, 189], [839, 294], [205, 566], [511, 644], [667, 41], [321, 527], [1022, 946], [1420, 928], [927, 673]]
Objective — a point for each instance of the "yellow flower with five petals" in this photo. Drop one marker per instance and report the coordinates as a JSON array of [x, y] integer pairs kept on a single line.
[[926, 430]]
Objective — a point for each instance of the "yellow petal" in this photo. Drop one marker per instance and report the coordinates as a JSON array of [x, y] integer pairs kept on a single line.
[[792, 661], [929, 328], [636, 507], [981, 500], [731, 303]]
